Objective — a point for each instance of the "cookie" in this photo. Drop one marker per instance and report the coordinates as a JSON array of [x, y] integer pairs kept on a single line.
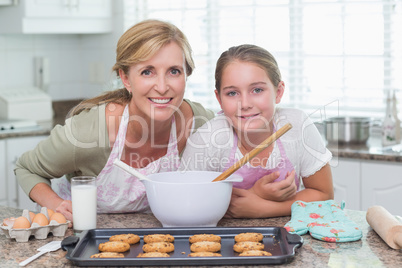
[[204, 254], [158, 247], [108, 255], [256, 237], [128, 238], [205, 246], [247, 245], [114, 246], [204, 237], [153, 255], [152, 238], [255, 253]]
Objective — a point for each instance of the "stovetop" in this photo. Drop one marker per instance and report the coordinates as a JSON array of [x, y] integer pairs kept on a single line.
[[17, 125]]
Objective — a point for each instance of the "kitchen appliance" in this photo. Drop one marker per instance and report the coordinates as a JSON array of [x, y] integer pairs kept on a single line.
[[347, 130], [27, 103], [17, 125]]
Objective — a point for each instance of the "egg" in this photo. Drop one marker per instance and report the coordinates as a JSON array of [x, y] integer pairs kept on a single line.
[[50, 212], [40, 219], [9, 221], [21, 223], [58, 217], [31, 215]]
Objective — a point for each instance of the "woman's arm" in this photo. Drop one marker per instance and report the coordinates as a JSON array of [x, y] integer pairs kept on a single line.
[[51, 158], [43, 194], [80, 146], [246, 204]]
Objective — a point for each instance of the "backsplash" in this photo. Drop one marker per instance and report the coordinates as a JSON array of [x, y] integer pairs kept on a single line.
[[61, 109]]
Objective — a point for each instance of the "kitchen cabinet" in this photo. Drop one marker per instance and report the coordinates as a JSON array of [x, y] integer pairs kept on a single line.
[[7, 2], [3, 180], [14, 148], [365, 183], [346, 180], [57, 17], [382, 186]]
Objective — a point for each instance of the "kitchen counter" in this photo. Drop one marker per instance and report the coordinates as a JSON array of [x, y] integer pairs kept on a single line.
[[370, 251], [372, 150], [60, 109]]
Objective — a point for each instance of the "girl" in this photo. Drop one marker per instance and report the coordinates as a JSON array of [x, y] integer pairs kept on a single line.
[[145, 124], [249, 87]]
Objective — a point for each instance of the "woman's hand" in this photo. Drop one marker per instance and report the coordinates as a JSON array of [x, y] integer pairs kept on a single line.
[[283, 190], [43, 194], [66, 208]]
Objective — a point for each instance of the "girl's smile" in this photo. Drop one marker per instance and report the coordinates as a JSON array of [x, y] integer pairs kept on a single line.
[[245, 117]]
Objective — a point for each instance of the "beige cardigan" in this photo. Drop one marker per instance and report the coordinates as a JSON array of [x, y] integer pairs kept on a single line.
[[80, 147]]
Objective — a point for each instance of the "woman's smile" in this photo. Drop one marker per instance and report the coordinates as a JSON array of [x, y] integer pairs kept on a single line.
[[160, 100]]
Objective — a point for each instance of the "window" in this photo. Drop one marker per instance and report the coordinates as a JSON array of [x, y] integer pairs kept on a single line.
[[337, 57]]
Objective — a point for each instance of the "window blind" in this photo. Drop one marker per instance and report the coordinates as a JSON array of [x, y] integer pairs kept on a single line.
[[337, 57]]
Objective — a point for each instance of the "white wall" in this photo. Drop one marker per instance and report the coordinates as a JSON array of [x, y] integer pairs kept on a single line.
[[70, 59]]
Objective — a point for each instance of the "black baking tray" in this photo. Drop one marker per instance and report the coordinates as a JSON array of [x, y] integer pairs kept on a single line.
[[276, 240]]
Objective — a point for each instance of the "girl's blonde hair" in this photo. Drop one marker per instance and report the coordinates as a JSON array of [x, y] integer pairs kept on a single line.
[[248, 53], [138, 44]]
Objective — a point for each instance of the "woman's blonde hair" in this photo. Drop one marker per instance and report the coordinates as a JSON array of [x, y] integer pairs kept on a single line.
[[248, 53], [138, 44]]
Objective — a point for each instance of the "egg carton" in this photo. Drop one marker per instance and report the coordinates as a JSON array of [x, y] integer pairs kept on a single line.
[[39, 232]]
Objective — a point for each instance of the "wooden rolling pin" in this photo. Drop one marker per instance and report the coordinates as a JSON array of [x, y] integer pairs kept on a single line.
[[385, 225]]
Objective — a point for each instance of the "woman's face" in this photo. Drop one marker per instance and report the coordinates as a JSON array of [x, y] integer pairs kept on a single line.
[[157, 84], [248, 97]]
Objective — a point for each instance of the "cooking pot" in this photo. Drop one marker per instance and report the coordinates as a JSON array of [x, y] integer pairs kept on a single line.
[[347, 130]]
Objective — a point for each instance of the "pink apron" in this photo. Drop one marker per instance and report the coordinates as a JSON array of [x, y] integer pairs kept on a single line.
[[251, 174], [119, 191]]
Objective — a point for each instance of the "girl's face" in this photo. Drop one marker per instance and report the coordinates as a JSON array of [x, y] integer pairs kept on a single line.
[[248, 97], [157, 84]]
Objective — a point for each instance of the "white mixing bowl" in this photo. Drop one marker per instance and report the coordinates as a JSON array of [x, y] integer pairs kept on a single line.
[[189, 199]]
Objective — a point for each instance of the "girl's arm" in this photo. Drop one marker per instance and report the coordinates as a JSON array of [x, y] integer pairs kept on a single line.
[[246, 204]]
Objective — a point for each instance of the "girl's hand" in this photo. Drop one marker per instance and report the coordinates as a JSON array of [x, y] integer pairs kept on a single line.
[[244, 204], [66, 208], [279, 191]]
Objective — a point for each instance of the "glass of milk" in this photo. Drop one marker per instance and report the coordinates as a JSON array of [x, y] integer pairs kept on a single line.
[[83, 197]]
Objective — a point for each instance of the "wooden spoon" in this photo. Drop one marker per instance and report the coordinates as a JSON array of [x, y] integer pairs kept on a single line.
[[250, 155]]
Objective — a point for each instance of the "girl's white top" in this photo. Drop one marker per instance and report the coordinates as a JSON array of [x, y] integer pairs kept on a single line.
[[210, 146]]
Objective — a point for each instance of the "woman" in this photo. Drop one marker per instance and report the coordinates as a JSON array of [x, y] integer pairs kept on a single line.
[[145, 125]]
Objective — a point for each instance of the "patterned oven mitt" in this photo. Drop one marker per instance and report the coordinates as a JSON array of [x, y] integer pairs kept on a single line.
[[325, 220]]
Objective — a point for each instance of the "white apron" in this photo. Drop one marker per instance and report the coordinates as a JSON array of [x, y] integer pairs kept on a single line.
[[119, 191]]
